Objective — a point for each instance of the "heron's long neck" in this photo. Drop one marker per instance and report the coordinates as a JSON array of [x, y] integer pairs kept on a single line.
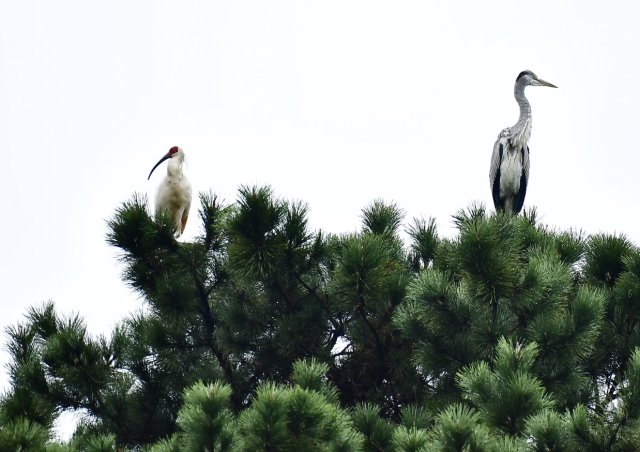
[[522, 129]]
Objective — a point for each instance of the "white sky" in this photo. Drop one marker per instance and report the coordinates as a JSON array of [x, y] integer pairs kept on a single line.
[[335, 103]]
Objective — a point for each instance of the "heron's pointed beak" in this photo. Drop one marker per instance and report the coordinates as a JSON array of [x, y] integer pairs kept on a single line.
[[165, 157], [540, 82]]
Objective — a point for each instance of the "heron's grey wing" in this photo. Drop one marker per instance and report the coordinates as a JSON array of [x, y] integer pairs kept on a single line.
[[494, 173], [524, 178]]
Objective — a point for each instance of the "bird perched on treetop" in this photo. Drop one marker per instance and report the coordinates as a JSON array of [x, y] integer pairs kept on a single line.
[[509, 172], [174, 192]]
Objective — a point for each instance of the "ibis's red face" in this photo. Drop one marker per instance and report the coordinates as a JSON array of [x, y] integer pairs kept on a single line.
[[173, 151]]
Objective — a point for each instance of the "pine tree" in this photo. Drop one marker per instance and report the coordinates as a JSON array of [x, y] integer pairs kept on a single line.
[[262, 334]]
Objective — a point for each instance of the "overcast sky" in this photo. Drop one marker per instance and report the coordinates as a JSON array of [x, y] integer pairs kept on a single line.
[[334, 103]]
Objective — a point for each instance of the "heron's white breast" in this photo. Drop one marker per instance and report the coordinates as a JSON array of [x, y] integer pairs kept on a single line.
[[510, 173]]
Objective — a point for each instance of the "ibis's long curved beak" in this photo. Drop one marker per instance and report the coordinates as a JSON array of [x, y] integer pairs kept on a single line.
[[166, 156], [540, 82]]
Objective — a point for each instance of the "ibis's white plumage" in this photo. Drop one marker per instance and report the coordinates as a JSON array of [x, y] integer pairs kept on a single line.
[[174, 192]]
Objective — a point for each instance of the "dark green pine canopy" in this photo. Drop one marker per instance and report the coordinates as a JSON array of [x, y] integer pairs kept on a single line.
[[264, 334]]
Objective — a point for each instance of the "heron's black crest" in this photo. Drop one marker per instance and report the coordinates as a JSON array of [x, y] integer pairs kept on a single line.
[[523, 73]]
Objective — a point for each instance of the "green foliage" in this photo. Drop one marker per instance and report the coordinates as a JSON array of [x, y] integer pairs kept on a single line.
[[382, 219], [255, 232], [424, 242], [296, 419], [627, 412], [410, 439], [101, 443], [412, 433], [311, 375], [488, 254], [172, 444], [548, 431], [570, 246], [23, 435], [605, 258], [205, 418], [265, 423], [377, 431], [263, 334], [458, 428], [509, 394]]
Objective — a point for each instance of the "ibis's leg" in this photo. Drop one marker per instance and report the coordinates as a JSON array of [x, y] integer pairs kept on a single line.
[[184, 224]]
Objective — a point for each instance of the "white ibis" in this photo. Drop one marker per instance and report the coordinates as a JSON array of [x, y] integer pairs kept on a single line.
[[174, 192]]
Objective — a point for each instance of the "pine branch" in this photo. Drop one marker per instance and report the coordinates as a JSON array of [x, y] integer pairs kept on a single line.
[[336, 333], [223, 360], [380, 350]]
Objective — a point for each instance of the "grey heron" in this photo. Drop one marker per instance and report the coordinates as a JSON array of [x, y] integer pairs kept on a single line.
[[509, 172]]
